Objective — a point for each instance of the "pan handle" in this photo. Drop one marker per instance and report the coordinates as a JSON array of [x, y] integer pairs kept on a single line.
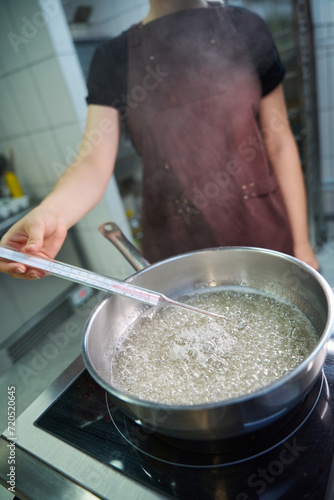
[[112, 232]]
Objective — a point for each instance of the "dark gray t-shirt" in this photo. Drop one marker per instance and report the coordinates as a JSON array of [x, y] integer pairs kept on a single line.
[[107, 80]]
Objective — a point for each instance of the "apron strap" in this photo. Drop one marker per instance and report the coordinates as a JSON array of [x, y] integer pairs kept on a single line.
[[134, 35]]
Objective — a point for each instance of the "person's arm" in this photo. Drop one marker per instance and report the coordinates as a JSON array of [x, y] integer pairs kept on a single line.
[[285, 162], [43, 231]]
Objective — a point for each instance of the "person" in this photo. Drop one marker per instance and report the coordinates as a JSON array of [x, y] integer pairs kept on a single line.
[[198, 87]]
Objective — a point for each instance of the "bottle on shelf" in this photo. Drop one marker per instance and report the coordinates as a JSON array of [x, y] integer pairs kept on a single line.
[[135, 227], [11, 178]]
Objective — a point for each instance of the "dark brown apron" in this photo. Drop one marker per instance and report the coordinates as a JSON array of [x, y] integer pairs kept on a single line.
[[193, 105]]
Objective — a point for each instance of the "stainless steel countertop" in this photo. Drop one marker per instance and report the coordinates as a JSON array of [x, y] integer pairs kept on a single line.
[[50, 469]]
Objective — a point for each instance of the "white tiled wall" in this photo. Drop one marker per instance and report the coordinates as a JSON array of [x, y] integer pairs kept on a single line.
[[43, 109], [34, 95]]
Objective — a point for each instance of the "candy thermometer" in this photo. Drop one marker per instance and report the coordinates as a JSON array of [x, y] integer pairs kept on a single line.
[[99, 281]]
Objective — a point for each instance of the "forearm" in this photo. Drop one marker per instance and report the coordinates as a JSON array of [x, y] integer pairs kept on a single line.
[[78, 190], [287, 169], [83, 183], [284, 159], [43, 230]]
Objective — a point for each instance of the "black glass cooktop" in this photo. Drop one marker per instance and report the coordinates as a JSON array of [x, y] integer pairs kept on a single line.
[[288, 460]]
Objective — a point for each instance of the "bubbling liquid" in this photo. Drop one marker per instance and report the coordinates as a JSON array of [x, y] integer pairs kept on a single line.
[[176, 356]]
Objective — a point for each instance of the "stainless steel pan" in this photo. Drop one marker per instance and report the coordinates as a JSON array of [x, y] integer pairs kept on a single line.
[[262, 269]]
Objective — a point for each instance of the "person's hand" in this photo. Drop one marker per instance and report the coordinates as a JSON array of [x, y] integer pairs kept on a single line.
[[38, 233], [306, 254]]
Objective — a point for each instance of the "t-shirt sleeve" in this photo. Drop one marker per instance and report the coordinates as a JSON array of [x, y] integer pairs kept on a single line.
[[261, 46], [107, 75]]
